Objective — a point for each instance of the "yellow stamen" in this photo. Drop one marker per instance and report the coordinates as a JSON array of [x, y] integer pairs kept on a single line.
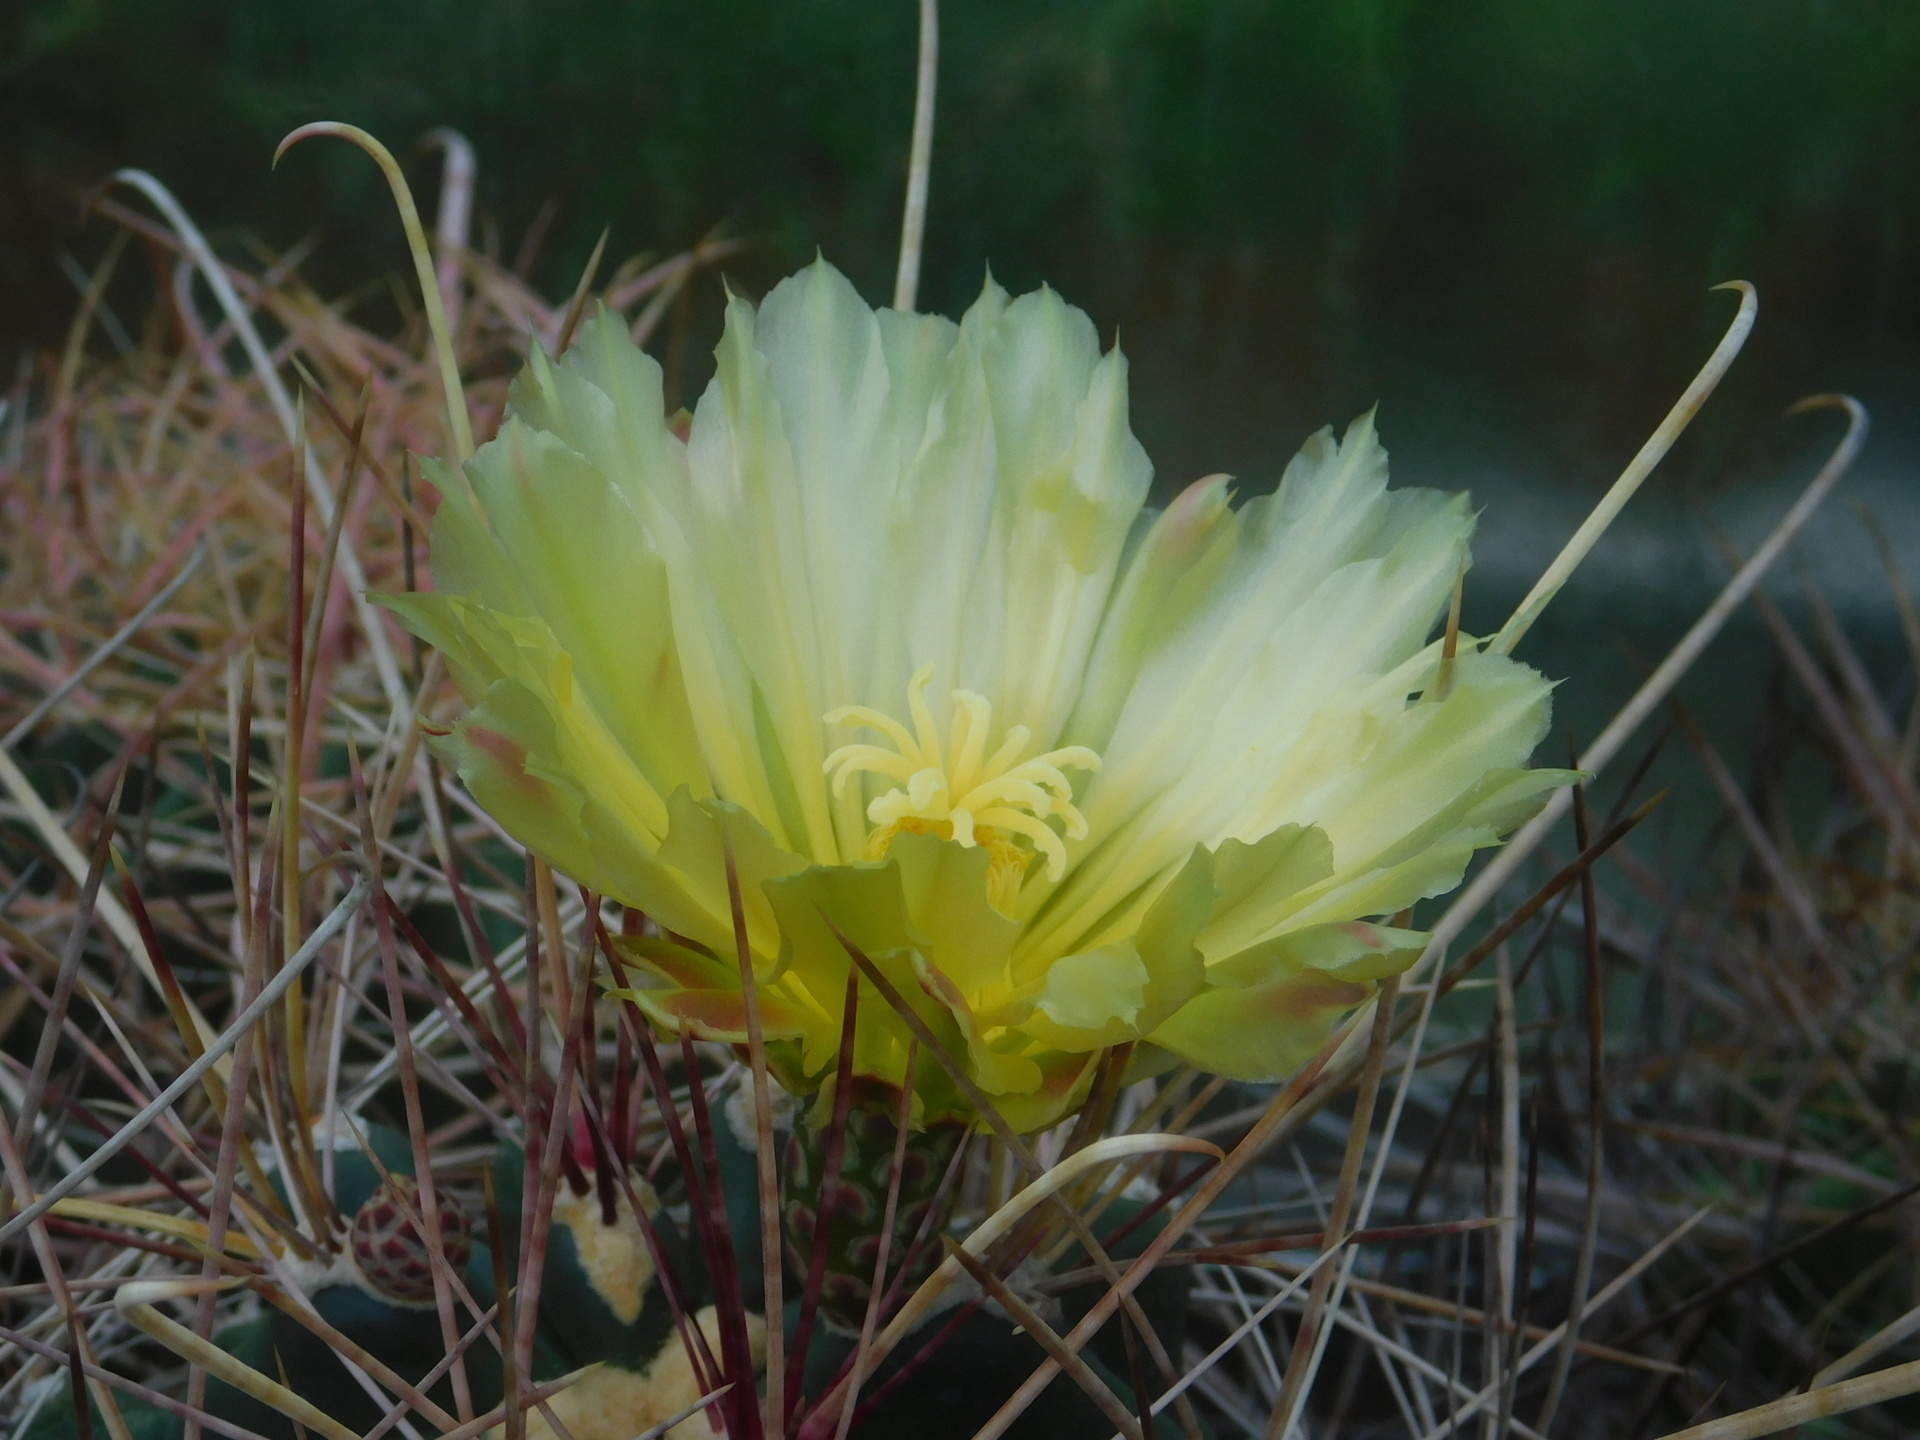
[[956, 794]]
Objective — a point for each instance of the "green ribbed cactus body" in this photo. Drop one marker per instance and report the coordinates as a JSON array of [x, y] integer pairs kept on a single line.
[[857, 1200]]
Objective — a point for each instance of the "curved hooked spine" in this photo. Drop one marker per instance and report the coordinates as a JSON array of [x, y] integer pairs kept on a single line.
[[1650, 454], [460, 427]]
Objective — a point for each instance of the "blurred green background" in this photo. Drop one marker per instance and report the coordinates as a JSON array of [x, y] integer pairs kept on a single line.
[[1499, 218], [1281, 204]]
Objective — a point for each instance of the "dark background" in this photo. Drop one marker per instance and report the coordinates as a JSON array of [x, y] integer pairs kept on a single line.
[[1499, 218]]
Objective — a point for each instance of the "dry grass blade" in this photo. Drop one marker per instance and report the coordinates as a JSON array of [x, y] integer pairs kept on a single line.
[[1308, 1342], [104, 652], [1829, 1400], [1596, 1123], [138, 1304], [54, 835], [69, 971], [453, 215], [1550, 1342], [220, 282], [27, 1344], [577, 306], [243, 1026]]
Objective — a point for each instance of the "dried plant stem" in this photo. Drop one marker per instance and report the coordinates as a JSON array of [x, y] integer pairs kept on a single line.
[[577, 307], [69, 972], [1308, 1340], [1434, 1305], [1799, 903], [374, 633], [825, 1203], [410, 1092], [120, 1383], [534, 1396], [654, 1432], [1177, 1225], [104, 651], [1784, 1414], [232, 1139], [452, 217], [242, 1026], [1000, 1223], [913, 223], [1878, 784], [54, 835], [1550, 1342], [483, 1326], [1011, 1144], [504, 1298], [1247, 1326], [56, 1278], [302, 1312], [1878, 1343], [137, 1304], [292, 831], [90, 301], [1507, 1040], [543, 1156], [1029, 1320], [1596, 1128], [316, 616]]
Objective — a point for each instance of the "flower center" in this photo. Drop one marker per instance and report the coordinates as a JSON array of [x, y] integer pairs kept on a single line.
[[961, 793]]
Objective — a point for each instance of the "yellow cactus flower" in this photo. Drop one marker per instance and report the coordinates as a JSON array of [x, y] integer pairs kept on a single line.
[[895, 622]]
